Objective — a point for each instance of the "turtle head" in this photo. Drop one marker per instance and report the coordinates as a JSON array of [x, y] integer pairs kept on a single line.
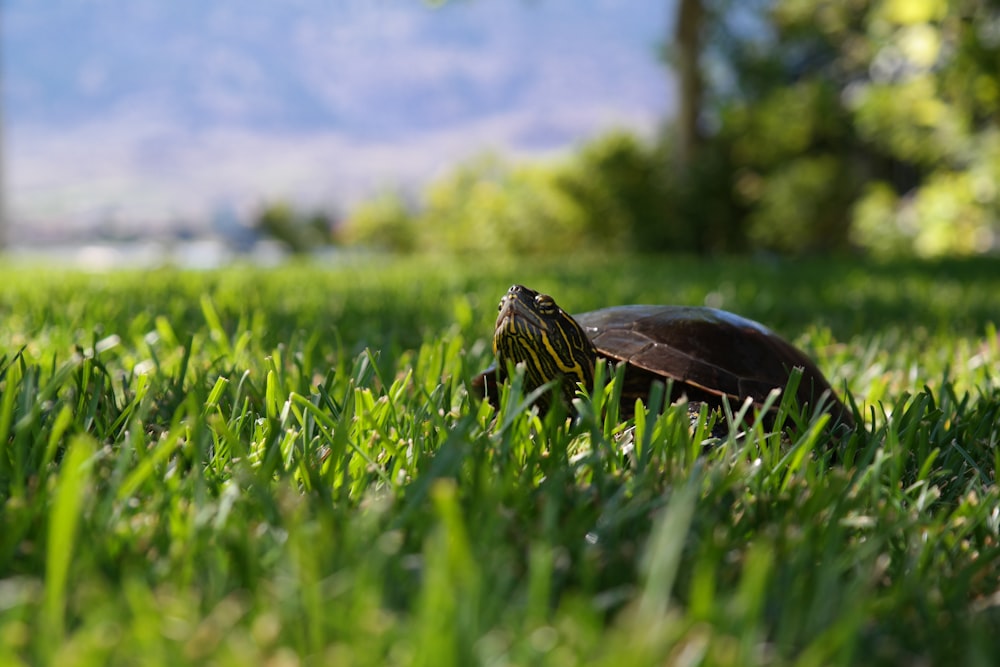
[[533, 330]]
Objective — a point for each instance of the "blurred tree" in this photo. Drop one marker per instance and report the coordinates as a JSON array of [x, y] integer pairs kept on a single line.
[[609, 196], [299, 232], [930, 109], [385, 222], [868, 122], [490, 206], [620, 182]]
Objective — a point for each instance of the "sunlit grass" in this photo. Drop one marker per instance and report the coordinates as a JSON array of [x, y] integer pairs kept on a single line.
[[251, 466]]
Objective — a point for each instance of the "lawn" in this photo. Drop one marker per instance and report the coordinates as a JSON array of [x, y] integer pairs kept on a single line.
[[283, 467]]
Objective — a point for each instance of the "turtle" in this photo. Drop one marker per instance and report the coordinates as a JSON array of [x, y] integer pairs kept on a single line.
[[703, 353]]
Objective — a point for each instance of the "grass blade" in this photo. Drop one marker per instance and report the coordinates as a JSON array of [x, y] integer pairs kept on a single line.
[[64, 520]]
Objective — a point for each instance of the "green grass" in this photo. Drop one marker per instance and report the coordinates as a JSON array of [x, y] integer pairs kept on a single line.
[[283, 467]]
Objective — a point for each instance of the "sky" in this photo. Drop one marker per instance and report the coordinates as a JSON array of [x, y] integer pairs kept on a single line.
[[149, 112]]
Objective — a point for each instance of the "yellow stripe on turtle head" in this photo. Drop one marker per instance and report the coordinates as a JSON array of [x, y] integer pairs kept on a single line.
[[532, 329]]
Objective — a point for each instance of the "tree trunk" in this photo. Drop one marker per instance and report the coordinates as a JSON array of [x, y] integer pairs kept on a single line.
[[690, 87]]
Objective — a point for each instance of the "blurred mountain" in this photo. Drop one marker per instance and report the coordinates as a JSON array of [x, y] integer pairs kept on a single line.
[[154, 110]]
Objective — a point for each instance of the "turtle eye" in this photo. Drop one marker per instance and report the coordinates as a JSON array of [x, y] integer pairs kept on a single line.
[[545, 303]]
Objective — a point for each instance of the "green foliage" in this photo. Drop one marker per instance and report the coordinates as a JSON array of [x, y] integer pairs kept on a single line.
[[299, 232], [615, 194], [486, 206], [244, 466], [384, 222], [871, 122], [812, 188], [622, 184]]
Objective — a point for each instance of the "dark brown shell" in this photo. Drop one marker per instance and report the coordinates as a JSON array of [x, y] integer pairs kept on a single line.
[[705, 350]]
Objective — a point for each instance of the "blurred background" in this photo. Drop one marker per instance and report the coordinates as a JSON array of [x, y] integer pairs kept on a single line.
[[199, 132]]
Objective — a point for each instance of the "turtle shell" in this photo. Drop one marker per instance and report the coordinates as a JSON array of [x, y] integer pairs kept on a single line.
[[707, 353]]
